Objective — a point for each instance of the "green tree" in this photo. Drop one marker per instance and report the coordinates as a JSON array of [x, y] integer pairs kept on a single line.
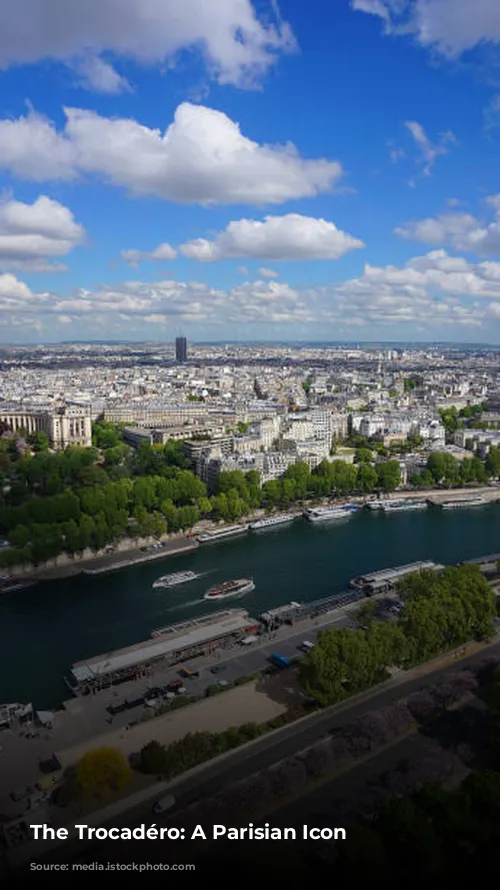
[[102, 772], [388, 475], [343, 477], [40, 441], [205, 506], [153, 759], [367, 477], [493, 462], [363, 455]]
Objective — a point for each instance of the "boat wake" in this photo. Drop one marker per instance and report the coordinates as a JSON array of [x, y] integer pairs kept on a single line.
[[185, 605]]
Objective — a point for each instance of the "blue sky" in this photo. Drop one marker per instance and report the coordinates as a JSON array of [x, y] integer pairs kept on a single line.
[[231, 170]]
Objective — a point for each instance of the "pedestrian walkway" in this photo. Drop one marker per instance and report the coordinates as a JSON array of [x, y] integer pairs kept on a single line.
[[216, 714]]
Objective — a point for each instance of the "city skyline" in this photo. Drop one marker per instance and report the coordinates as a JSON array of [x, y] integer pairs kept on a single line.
[[254, 175]]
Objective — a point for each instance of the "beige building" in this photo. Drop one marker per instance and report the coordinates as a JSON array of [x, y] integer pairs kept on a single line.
[[66, 425]]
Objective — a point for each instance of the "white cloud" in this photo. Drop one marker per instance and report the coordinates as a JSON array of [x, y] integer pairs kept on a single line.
[[31, 148], [202, 158], [396, 154], [429, 151], [449, 26], [289, 237], [13, 289], [461, 231], [268, 273], [101, 77], [491, 113], [237, 46], [30, 234], [164, 252], [431, 276], [430, 293]]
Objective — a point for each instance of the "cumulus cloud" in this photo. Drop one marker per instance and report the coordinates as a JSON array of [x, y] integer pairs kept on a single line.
[[428, 295], [30, 234], [164, 252], [202, 158], [461, 231], [100, 76], [289, 237], [432, 292], [13, 289], [437, 274], [449, 26], [237, 46], [429, 152]]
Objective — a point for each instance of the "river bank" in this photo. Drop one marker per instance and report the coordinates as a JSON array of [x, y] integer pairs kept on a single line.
[[129, 552], [97, 564]]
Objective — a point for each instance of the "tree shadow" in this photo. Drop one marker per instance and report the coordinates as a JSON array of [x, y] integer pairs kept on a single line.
[[465, 731], [282, 688]]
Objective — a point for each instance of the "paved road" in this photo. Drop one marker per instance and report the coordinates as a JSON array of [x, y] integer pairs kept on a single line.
[[320, 807], [260, 755]]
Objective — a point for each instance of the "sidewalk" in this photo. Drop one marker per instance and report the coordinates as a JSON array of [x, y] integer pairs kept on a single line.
[[235, 707]]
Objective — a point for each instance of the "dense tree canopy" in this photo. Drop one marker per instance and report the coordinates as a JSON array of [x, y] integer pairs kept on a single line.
[[83, 498], [442, 610]]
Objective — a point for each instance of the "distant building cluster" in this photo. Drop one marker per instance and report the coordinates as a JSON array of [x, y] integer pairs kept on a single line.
[[255, 407]]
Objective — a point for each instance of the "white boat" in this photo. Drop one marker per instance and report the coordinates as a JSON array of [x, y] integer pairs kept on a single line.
[[219, 534], [325, 514], [176, 578], [403, 504], [272, 521], [230, 588]]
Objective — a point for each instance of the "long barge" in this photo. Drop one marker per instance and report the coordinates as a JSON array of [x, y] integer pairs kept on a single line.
[[386, 579], [173, 644], [220, 534], [292, 612], [329, 514], [272, 521], [397, 505], [461, 503]]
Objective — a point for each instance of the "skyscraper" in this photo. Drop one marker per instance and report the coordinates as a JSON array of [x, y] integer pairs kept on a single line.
[[181, 349]]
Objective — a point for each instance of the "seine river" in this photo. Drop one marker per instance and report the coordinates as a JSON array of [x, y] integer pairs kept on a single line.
[[44, 629]]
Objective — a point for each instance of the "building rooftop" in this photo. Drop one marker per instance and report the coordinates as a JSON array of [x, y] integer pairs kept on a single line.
[[172, 641]]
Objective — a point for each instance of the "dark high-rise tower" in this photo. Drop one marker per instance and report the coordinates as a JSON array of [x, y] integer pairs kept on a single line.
[[181, 349]]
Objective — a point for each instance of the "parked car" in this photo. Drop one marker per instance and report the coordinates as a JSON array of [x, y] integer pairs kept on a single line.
[[164, 804]]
